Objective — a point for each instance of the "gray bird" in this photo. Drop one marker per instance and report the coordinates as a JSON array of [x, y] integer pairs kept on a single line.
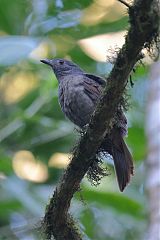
[[78, 94]]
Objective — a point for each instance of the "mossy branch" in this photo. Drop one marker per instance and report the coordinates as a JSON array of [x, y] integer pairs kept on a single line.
[[143, 18]]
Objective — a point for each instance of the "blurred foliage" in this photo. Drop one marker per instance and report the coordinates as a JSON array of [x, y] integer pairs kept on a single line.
[[33, 129]]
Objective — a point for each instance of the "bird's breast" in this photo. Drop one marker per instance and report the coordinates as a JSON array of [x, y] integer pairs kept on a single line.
[[74, 102]]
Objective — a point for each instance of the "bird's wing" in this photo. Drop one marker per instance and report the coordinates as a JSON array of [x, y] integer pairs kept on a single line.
[[96, 78], [93, 86]]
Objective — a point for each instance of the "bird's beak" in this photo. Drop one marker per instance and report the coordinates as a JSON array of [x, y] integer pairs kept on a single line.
[[46, 61]]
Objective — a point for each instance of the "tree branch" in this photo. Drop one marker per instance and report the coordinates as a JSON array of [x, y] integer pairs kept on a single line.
[[143, 30], [153, 160], [124, 3]]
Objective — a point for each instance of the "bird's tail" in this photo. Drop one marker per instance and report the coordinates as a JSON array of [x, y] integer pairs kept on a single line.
[[115, 146]]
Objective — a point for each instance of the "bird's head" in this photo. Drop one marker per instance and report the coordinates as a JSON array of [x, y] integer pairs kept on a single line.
[[62, 67]]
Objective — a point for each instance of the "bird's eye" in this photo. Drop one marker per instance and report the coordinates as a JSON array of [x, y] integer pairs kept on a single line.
[[61, 62]]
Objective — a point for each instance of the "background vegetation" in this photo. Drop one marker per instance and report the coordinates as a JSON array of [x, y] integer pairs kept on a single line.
[[35, 138]]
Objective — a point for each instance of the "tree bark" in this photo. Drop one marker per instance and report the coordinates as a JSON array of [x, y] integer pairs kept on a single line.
[[153, 162]]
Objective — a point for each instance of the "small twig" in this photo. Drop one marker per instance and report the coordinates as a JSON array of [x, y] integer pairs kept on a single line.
[[126, 4]]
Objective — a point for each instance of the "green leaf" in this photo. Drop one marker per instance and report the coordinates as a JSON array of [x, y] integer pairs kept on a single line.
[[15, 48], [7, 207], [119, 202], [137, 141], [5, 164]]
